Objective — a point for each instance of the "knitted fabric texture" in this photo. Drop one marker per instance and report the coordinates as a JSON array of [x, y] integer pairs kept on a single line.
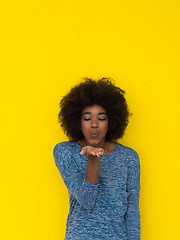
[[108, 210]]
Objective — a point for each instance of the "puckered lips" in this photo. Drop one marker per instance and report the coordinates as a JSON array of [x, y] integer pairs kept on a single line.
[[94, 134]]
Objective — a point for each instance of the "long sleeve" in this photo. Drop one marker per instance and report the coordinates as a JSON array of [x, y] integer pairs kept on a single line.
[[132, 215], [84, 192]]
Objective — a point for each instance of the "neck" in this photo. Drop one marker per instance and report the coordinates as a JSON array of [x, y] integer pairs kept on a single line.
[[100, 145]]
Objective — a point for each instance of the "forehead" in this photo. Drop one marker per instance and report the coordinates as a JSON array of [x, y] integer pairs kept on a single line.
[[94, 109]]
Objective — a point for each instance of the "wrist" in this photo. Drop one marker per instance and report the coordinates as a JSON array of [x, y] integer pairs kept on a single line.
[[93, 158]]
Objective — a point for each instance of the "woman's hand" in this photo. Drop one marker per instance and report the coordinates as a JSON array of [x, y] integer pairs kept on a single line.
[[89, 150]]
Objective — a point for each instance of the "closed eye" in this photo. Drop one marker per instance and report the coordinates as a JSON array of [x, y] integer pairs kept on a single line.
[[102, 119]]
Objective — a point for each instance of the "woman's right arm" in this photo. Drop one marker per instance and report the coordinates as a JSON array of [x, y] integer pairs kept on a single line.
[[93, 163], [84, 190]]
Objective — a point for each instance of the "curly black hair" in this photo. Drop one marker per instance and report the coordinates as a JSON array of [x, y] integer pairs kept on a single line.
[[90, 92]]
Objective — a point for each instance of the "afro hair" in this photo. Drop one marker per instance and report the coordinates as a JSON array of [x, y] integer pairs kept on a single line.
[[89, 92]]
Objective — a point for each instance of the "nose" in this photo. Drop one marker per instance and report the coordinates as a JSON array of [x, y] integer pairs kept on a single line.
[[94, 124]]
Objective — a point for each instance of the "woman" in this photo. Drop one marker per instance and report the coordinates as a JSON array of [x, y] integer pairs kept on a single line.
[[102, 175]]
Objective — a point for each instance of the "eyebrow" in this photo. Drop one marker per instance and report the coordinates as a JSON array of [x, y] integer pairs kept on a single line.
[[100, 113]]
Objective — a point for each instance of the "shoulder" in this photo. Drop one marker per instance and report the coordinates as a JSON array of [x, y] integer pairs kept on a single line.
[[65, 146], [129, 154], [62, 146], [64, 149]]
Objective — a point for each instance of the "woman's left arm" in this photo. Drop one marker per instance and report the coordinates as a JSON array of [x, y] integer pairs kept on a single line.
[[132, 215]]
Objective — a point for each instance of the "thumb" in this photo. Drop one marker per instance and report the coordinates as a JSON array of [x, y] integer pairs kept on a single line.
[[84, 150]]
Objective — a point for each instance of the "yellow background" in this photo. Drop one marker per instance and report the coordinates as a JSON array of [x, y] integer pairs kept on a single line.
[[45, 48]]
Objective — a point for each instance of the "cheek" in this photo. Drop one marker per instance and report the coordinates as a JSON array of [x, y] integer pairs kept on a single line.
[[105, 127], [84, 126]]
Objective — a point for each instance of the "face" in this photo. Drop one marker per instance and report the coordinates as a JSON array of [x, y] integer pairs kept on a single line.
[[94, 125]]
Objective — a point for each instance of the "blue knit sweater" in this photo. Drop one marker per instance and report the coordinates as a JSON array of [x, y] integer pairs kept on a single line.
[[108, 210]]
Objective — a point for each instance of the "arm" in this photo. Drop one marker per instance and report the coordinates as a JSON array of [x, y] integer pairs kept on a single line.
[[93, 164], [84, 191], [132, 215]]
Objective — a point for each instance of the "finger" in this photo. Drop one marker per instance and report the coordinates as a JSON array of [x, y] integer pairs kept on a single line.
[[84, 150], [100, 152]]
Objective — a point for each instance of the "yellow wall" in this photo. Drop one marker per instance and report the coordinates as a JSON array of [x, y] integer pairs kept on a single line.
[[46, 47]]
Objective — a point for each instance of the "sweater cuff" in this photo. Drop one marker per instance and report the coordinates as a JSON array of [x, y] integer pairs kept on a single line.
[[89, 185]]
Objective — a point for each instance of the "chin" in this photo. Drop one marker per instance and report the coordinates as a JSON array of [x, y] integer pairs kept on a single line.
[[95, 142]]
